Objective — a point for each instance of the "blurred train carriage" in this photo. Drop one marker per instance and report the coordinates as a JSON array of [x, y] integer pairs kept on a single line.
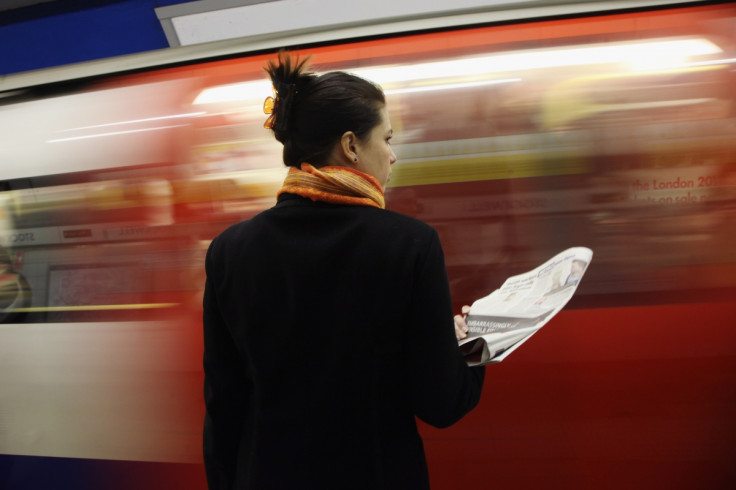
[[616, 132]]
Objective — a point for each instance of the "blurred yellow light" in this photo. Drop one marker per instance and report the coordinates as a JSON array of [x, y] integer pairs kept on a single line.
[[112, 133], [257, 89], [635, 54], [628, 53], [137, 121], [123, 124], [447, 86]]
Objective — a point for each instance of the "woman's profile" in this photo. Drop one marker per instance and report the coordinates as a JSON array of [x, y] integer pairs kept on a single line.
[[328, 322]]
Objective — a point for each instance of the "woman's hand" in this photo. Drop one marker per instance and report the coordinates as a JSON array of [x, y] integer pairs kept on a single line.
[[461, 328]]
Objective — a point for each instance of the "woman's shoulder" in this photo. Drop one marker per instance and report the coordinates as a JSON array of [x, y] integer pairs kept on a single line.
[[401, 230], [234, 232], [406, 221], [300, 206], [375, 222]]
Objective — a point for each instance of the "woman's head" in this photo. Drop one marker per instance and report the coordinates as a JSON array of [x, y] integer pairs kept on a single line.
[[328, 119]]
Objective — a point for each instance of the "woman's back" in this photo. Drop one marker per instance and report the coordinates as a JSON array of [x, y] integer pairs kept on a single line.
[[343, 321]]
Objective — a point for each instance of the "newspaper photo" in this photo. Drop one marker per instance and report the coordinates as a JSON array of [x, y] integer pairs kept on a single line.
[[500, 322]]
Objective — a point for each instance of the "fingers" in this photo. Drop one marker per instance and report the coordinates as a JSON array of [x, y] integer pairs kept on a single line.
[[461, 328]]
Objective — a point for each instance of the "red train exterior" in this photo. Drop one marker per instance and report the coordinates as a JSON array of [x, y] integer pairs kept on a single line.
[[516, 141]]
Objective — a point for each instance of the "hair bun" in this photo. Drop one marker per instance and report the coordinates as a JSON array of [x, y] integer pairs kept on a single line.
[[287, 77]]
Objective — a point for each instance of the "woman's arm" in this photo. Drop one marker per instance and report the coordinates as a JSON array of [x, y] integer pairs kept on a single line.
[[444, 388], [225, 391]]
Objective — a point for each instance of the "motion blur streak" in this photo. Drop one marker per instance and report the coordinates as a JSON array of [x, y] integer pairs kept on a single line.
[[615, 132]]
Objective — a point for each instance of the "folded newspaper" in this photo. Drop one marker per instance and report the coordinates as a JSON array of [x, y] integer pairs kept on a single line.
[[500, 322]]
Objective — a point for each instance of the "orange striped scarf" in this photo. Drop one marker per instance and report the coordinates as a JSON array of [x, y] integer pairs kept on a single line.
[[337, 185]]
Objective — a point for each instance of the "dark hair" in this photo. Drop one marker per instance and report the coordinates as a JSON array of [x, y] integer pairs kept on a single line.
[[313, 112]]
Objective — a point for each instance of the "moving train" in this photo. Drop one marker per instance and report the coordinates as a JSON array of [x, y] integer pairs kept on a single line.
[[612, 130]]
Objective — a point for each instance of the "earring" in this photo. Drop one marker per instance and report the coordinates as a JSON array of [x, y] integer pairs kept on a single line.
[[355, 159]]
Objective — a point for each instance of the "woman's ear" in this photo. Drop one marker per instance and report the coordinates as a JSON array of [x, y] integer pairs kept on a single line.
[[348, 147]]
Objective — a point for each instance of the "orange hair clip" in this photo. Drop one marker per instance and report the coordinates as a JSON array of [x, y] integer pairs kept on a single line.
[[268, 106]]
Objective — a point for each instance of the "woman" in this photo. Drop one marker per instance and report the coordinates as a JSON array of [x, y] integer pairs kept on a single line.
[[327, 319]]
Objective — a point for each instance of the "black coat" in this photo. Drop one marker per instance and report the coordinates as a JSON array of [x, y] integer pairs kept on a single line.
[[327, 329]]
